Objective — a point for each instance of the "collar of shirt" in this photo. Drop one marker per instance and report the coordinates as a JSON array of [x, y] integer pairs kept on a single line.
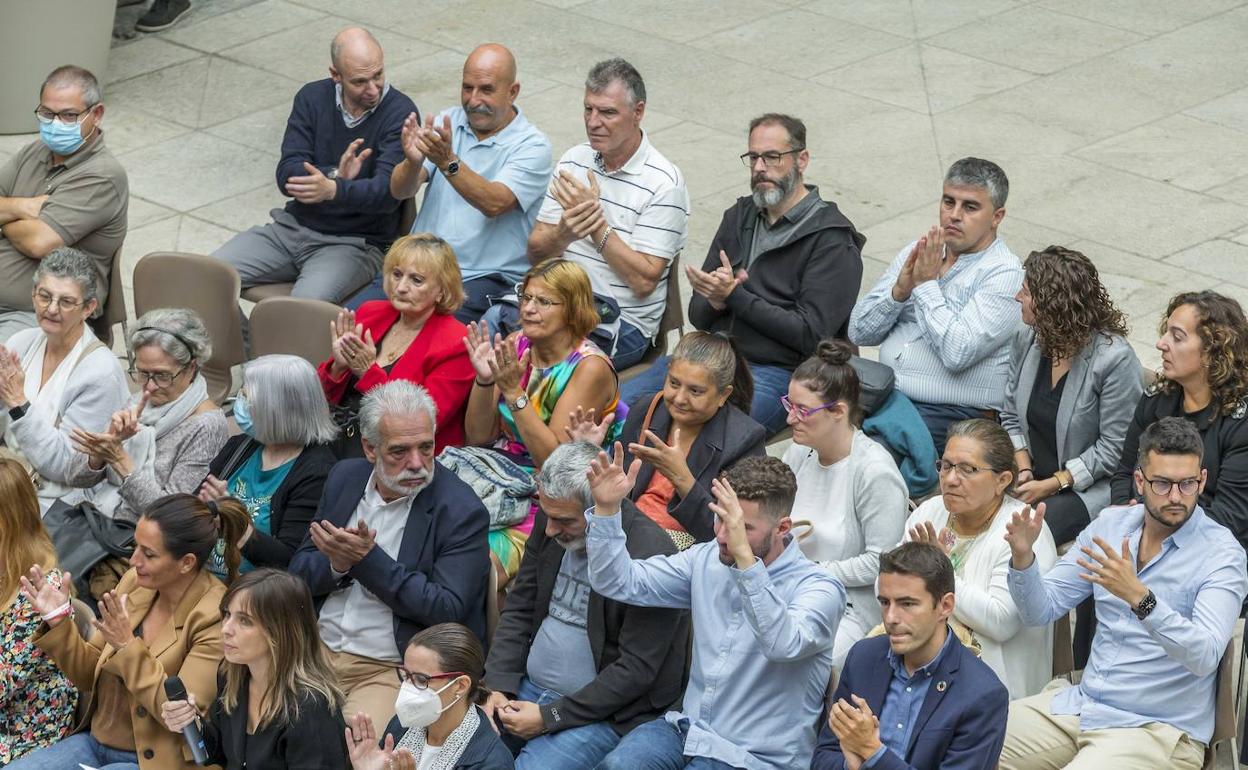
[[459, 121], [797, 212], [352, 122], [899, 664], [634, 163], [1180, 537]]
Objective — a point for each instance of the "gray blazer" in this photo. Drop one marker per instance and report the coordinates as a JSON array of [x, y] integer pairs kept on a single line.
[[1102, 390]]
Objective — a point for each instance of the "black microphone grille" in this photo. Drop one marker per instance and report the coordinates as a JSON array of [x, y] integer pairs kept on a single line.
[[174, 689]]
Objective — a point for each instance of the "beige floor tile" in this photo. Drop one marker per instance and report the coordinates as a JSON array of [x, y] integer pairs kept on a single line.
[[917, 19], [186, 173], [144, 55], [143, 212], [261, 130], [1230, 110], [127, 129], [381, 13], [1241, 236], [1221, 259], [680, 21], [810, 45], [1114, 261], [228, 30], [1235, 191], [196, 236], [204, 92], [1207, 156], [709, 159], [1148, 17], [243, 211]]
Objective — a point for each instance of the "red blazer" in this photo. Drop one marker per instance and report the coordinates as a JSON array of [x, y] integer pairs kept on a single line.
[[436, 360]]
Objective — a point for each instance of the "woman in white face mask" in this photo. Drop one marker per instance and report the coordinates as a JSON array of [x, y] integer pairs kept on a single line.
[[437, 724]]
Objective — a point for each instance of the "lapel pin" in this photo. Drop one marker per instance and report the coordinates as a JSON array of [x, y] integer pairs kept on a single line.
[[940, 686]]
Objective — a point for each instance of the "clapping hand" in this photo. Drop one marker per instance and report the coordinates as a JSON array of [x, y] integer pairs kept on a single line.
[[45, 596], [506, 369], [609, 483], [481, 350], [114, 621], [926, 533], [857, 729], [716, 285], [345, 547], [569, 192], [366, 754], [435, 141], [583, 427], [12, 379], [315, 187], [411, 147], [583, 220], [1022, 532], [930, 257], [352, 159]]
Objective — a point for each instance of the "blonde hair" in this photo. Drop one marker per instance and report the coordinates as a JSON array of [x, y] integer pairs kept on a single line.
[[570, 282], [23, 540], [433, 256]]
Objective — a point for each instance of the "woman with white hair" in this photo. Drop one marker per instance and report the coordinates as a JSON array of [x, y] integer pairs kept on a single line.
[[278, 465], [59, 377], [162, 442]]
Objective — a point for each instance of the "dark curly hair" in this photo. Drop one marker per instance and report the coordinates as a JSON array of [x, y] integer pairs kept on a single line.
[[1071, 303], [1223, 333]]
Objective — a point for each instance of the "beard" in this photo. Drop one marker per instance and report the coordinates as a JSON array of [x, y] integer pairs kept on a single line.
[[406, 483], [1157, 513], [782, 187], [574, 544]]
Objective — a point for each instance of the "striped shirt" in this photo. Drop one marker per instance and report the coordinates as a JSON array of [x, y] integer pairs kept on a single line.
[[646, 203], [949, 342]]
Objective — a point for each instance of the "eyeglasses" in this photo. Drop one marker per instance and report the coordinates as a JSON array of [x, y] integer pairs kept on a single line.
[[44, 300], [770, 159], [421, 681], [46, 116], [162, 379], [543, 303], [965, 470], [1162, 487], [803, 412]]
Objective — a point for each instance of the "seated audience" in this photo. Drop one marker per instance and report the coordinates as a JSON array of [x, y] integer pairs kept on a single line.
[[37, 700], [573, 671], [764, 618], [1072, 335], [278, 464], [163, 620], [397, 546], [66, 189], [342, 142], [1204, 347], [528, 386], [944, 311], [278, 701], [967, 521], [162, 443], [442, 727], [1168, 582], [849, 490], [781, 273], [617, 208], [58, 378], [691, 430], [487, 168], [886, 712], [410, 335]]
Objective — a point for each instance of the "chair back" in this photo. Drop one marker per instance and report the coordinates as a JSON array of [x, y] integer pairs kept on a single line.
[[673, 320], [1224, 716], [114, 311], [492, 608], [1063, 648], [206, 285], [292, 325]]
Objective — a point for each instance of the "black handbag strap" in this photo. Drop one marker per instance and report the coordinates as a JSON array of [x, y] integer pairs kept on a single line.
[[107, 531]]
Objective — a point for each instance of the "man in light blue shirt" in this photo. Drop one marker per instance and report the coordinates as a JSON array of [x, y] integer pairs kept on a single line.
[[1168, 583], [764, 618], [944, 311], [487, 169]]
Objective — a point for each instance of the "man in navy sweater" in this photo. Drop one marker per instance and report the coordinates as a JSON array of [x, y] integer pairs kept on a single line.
[[343, 140]]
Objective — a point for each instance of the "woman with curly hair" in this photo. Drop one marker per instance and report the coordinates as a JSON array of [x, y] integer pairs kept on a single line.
[[1203, 378], [1074, 382]]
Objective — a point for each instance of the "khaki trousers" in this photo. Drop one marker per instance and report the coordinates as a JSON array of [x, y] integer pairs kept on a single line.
[[370, 685], [1036, 739]]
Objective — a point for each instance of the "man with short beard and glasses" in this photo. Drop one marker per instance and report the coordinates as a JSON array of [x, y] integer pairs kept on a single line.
[[571, 670], [487, 168], [398, 544], [764, 620], [782, 272], [1168, 582]]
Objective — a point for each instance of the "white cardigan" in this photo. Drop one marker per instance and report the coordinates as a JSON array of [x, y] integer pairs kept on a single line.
[[1022, 656]]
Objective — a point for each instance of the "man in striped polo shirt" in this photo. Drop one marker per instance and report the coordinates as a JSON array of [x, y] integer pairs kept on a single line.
[[618, 208]]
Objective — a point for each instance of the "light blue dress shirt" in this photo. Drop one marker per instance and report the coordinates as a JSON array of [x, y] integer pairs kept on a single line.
[[519, 157], [904, 701], [1162, 668], [762, 643]]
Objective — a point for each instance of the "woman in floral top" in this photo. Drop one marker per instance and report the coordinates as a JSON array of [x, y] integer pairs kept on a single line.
[[37, 701]]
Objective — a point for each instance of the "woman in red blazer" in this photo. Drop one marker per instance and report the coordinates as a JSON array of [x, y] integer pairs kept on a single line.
[[413, 336]]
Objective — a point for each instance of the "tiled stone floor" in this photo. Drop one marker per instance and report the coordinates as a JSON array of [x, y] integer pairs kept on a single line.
[[1123, 124]]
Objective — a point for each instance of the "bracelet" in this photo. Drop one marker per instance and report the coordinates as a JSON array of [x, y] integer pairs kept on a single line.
[[480, 384], [1028, 471], [59, 612], [603, 243]]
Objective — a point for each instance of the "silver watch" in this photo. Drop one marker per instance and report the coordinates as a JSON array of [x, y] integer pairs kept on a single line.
[[520, 404]]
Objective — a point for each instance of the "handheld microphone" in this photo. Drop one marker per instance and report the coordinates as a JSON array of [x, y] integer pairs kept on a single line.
[[175, 690]]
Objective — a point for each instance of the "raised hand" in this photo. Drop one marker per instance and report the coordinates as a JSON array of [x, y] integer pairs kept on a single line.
[[177, 714], [315, 187], [411, 147], [929, 260], [12, 379], [436, 143], [362, 745], [609, 483], [1022, 532], [481, 350], [905, 283], [44, 595], [728, 510], [666, 458], [359, 350], [506, 369], [926, 532], [1114, 570], [352, 159], [126, 422], [114, 621], [583, 427]]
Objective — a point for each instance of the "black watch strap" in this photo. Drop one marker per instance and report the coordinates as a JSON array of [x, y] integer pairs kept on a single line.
[[1146, 606], [18, 412]]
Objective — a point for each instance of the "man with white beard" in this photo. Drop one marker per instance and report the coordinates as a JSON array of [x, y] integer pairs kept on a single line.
[[397, 545], [782, 272]]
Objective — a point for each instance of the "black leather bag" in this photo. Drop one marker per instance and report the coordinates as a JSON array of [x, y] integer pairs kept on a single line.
[[83, 537], [875, 383]]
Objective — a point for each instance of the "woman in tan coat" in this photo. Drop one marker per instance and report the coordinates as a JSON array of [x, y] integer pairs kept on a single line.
[[163, 620]]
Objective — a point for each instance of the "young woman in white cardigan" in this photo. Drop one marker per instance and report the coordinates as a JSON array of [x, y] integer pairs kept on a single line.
[[968, 521], [848, 487]]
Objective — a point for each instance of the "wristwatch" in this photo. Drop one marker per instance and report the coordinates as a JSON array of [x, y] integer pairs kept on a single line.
[[1146, 606], [520, 404], [452, 168], [18, 412], [333, 173]]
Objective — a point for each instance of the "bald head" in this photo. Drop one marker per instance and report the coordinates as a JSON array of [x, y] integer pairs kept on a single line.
[[356, 44], [495, 59], [489, 90], [356, 64]]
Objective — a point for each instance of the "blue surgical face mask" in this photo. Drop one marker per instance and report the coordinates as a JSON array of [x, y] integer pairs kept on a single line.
[[242, 415], [61, 138]]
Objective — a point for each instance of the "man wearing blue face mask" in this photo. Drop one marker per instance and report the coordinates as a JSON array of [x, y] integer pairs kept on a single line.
[[66, 189]]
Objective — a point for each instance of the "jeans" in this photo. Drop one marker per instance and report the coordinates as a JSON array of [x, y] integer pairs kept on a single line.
[[573, 749], [938, 418], [75, 750], [657, 745], [630, 346], [770, 383]]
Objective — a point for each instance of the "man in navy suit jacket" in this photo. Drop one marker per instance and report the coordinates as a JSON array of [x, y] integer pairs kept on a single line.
[[399, 544], [916, 699]]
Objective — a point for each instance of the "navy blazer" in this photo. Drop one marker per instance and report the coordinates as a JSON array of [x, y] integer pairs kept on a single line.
[[960, 727], [442, 572]]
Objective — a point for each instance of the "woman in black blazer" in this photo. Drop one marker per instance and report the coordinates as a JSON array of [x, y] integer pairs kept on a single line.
[[286, 426], [278, 704], [689, 432]]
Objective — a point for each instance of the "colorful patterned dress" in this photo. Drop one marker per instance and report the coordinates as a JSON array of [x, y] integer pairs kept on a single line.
[[37, 701], [544, 387]]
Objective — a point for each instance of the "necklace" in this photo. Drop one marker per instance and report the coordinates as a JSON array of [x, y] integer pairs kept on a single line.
[[399, 347]]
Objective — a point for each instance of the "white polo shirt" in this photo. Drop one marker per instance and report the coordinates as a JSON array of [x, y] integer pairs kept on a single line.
[[647, 204]]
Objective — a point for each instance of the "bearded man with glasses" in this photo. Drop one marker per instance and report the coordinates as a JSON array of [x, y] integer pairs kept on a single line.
[[66, 189]]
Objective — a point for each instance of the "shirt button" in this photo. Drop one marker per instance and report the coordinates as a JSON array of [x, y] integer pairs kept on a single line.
[[900, 726], [908, 689]]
